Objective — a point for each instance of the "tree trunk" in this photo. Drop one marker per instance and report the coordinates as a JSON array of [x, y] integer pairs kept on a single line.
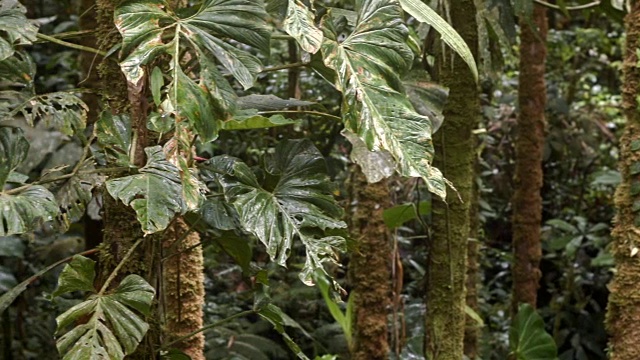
[[623, 314], [526, 201], [472, 330], [455, 149], [183, 278], [178, 280], [370, 268]]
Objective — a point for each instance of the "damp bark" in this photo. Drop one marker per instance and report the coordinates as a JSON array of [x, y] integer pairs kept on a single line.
[[623, 312], [447, 255], [370, 268], [526, 200]]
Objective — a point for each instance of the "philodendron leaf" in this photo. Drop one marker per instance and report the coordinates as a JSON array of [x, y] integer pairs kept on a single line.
[[114, 134], [62, 110], [527, 338], [292, 201], [21, 212], [299, 23], [14, 27], [114, 328], [74, 193], [149, 29], [13, 150], [423, 13], [155, 193], [368, 64]]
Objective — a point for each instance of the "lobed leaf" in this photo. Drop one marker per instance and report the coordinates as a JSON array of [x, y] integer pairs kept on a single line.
[[15, 27], [21, 212], [299, 23], [528, 339], [374, 106]]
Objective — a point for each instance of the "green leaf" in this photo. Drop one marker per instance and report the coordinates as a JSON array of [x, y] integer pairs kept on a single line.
[[14, 27], [278, 319], [428, 98], [299, 23], [343, 319], [157, 81], [374, 105], [292, 201], [527, 338], [13, 150], [21, 212], [423, 13], [203, 97], [78, 275], [268, 102], [74, 193], [114, 134], [400, 214], [247, 120], [155, 193], [237, 247], [114, 328]]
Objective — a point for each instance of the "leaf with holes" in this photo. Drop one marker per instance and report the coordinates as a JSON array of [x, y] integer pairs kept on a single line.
[[374, 107], [155, 193], [14, 27], [64, 111], [115, 327], [292, 201], [74, 193]]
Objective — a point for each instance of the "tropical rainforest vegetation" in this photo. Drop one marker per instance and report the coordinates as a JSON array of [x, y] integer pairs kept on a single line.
[[282, 179]]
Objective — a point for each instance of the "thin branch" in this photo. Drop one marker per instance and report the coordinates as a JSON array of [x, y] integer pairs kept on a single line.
[[71, 45], [211, 326], [284, 67], [568, 8], [281, 37], [67, 35], [310, 112], [119, 266]]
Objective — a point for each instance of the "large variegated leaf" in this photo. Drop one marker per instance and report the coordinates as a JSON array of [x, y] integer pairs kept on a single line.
[[149, 29], [299, 23], [368, 64], [13, 150], [155, 193], [20, 213], [114, 134], [114, 327], [292, 201], [15, 29]]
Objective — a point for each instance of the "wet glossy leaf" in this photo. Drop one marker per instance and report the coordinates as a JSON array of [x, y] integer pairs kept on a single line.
[[423, 13], [292, 201], [20, 213], [114, 328], [14, 27], [77, 275], [155, 193], [368, 63], [299, 23], [13, 150], [204, 96], [528, 339], [114, 134]]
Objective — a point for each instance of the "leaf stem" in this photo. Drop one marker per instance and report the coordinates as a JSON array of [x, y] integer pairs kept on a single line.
[[211, 326], [70, 45], [68, 34], [283, 67], [310, 112], [119, 266], [568, 8]]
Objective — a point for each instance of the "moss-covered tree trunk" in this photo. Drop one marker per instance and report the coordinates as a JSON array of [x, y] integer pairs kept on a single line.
[[455, 149], [178, 280], [623, 314], [370, 268], [472, 329], [526, 200]]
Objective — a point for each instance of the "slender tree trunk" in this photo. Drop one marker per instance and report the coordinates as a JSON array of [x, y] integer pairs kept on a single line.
[[183, 287], [447, 258], [526, 201], [472, 330], [370, 268], [623, 314], [178, 280]]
